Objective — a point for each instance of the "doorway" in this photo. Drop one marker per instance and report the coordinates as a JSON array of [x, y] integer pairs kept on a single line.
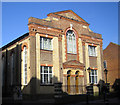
[[77, 81], [68, 81]]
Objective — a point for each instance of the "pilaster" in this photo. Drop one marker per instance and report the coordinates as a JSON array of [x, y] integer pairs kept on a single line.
[[63, 49], [37, 60], [99, 66], [87, 61], [56, 67], [80, 51]]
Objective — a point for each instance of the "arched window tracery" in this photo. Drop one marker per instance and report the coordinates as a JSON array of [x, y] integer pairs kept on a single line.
[[71, 42]]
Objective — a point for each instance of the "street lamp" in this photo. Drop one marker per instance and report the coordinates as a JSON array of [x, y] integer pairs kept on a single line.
[[88, 87], [106, 87], [106, 71], [89, 70]]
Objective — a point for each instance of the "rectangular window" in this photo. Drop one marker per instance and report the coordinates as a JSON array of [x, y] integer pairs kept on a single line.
[[46, 75], [93, 76], [45, 43], [92, 50]]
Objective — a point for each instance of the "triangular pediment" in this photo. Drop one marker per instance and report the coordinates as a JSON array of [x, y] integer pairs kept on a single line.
[[73, 64], [69, 14]]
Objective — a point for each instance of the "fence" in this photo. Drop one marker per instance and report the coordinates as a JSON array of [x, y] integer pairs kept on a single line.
[[73, 89]]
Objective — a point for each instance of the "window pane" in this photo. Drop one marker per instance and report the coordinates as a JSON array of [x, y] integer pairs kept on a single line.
[[46, 78], [41, 69], [95, 79], [42, 80], [41, 43], [92, 72], [50, 69], [89, 48], [49, 44], [45, 43], [95, 72], [45, 69], [92, 79], [50, 76]]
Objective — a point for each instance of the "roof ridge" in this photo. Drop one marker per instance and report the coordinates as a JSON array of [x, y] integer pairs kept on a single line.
[[61, 11], [15, 40], [65, 11], [114, 43]]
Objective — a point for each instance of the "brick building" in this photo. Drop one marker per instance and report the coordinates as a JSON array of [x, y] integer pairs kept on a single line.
[[111, 56], [59, 48]]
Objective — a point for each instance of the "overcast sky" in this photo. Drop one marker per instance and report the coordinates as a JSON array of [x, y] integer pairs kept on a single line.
[[102, 17]]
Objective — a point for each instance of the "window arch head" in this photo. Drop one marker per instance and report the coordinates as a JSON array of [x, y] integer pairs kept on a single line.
[[24, 45], [77, 73], [70, 33], [69, 72], [71, 42]]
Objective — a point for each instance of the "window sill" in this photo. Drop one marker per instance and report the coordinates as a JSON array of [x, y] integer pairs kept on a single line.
[[46, 84], [46, 50], [72, 53], [93, 56], [94, 84]]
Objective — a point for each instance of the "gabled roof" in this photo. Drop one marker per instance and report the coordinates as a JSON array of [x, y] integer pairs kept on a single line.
[[16, 40], [68, 14], [111, 45]]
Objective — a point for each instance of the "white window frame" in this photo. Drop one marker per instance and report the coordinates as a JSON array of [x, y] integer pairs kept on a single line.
[[25, 65], [43, 75], [71, 42], [94, 75], [92, 50], [47, 45]]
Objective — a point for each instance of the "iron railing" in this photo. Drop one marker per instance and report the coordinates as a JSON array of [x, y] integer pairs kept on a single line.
[[73, 89]]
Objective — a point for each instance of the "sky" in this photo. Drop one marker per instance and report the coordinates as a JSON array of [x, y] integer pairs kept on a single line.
[[102, 17]]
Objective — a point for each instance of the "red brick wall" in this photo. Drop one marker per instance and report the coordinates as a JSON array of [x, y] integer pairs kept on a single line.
[[111, 56]]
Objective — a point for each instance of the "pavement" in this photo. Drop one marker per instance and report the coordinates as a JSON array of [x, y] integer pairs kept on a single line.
[[110, 101]]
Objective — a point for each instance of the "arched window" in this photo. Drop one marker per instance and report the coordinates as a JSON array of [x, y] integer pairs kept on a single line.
[[68, 72], [77, 73], [71, 42], [25, 65]]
